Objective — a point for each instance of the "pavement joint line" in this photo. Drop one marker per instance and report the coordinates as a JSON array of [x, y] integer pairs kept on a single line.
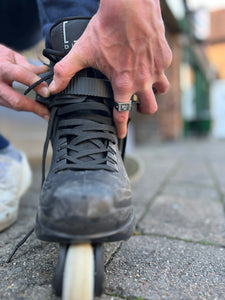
[[110, 259], [162, 185], [113, 295], [192, 183], [202, 242], [216, 183], [127, 298]]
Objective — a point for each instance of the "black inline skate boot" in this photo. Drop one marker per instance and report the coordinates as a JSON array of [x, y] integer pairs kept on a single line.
[[86, 196]]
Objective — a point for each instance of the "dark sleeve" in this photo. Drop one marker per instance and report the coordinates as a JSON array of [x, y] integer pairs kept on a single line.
[[19, 23]]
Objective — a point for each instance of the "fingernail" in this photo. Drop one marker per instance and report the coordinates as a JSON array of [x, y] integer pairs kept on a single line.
[[44, 91], [52, 85]]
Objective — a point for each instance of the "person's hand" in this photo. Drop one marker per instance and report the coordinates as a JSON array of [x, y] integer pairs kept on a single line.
[[15, 67], [126, 41]]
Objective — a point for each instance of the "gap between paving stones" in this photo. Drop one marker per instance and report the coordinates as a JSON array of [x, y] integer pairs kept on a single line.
[[166, 179], [175, 238], [216, 183]]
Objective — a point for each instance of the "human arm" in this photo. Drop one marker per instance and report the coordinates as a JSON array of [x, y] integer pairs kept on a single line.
[[126, 41], [15, 67]]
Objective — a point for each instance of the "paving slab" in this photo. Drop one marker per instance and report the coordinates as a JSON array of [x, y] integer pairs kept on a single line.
[[156, 169], [177, 251], [195, 173], [191, 191], [199, 220], [217, 172], [159, 268]]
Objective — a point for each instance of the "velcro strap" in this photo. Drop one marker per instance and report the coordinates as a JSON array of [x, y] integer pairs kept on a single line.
[[87, 86]]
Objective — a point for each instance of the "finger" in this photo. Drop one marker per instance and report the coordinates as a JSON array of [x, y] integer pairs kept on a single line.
[[39, 69], [25, 76], [22, 61], [148, 104], [120, 121], [121, 117], [122, 90], [19, 102], [162, 85]]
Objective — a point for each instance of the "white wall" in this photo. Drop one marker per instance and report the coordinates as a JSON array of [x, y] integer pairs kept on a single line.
[[217, 108]]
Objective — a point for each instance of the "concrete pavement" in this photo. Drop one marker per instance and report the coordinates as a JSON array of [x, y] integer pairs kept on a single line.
[[178, 248]]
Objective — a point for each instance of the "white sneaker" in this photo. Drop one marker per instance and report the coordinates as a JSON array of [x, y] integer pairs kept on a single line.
[[15, 179]]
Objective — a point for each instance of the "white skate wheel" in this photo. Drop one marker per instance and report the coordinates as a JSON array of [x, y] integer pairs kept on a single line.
[[78, 278]]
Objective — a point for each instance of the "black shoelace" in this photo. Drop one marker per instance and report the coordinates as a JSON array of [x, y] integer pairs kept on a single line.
[[85, 132]]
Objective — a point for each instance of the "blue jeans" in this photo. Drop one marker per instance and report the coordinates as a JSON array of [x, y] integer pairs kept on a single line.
[[51, 11], [20, 27], [3, 142]]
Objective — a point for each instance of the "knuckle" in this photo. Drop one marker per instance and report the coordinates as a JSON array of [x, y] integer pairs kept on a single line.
[[163, 61], [15, 104], [59, 70], [18, 73], [162, 85], [120, 118], [165, 87], [62, 74], [143, 75], [3, 69], [168, 56]]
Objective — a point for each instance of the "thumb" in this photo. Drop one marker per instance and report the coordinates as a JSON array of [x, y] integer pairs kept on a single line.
[[65, 69]]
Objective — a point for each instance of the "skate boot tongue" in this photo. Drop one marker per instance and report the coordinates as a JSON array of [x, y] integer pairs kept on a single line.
[[66, 32]]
